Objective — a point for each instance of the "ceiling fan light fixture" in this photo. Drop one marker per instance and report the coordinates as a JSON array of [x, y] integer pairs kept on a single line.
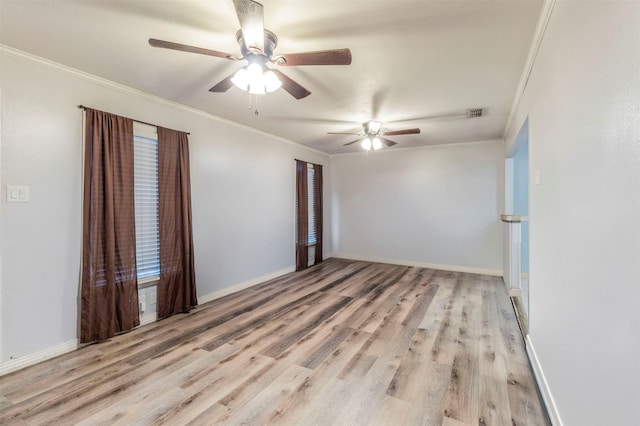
[[254, 79], [254, 72], [376, 144], [373, 139], [241, 79], [257, 45], [373, 127], [271, 81], [366, 144]]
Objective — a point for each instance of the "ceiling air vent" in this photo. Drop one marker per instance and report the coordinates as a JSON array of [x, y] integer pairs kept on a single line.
[[474, 112]]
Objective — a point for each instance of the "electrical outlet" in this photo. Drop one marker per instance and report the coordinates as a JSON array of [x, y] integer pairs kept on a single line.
[[153, 295], [537, 177], [143, 303]]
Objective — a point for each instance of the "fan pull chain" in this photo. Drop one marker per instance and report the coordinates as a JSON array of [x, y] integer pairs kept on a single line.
[[250, 104]]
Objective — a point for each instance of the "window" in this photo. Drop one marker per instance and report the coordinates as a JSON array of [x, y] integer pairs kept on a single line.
[[308, 236], [311, 204], [145, 159], [311, 212]]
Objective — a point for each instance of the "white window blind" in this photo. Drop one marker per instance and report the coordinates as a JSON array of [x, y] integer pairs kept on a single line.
[[311, 204], [146, 202]]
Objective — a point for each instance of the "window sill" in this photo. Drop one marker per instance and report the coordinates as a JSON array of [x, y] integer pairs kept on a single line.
[[148, 281]]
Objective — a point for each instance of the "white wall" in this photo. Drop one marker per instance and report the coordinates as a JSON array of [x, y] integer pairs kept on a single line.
[[583, 104], [436, 205], [243, 189]]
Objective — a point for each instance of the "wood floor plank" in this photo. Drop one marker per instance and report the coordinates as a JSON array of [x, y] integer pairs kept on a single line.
[[462, 398], [4, 402], [354, 283], [523, 399], [494, 408], [208, 416], [14, 383], [392, 411], [420, 300], [428, 403], [372, 388], [446, 341], [199, 399], [324, 348], [388, 299], [239, 354], [136, 385], [324, 409], [462, 402], [316, 315], [89, 361], [59, 395], [308, 407], [448, 421], [439, 303], [277, 396], [342, 342], [242, 325]]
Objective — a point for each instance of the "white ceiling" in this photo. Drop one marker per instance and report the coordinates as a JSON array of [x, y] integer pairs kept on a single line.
[[416, 63]]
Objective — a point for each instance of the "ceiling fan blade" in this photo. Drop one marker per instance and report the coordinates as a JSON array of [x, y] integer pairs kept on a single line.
[[224, 85], [402, 132], [344, 133], [192, 49], [387, 142], [321, 57], [294, 89], [352, 142], [251, 16]]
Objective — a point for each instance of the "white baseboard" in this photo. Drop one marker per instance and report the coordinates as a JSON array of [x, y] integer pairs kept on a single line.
[[36, 357], [454, 268], [545, 391], [48, 353], [242, 286], [153, 316]]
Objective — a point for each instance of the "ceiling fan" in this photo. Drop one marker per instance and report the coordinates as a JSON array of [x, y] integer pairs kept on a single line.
[[257, 46], [373, 139]]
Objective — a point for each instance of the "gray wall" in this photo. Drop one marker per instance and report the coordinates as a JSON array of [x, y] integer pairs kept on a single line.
[[436, 205], [583, 104], [243, 189]]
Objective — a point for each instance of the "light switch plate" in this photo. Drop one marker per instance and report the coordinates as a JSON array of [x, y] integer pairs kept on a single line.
[[17, 194], [538, 177]]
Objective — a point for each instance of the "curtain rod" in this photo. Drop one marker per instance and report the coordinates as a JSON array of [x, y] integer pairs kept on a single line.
[[137, 121], [309, 162]]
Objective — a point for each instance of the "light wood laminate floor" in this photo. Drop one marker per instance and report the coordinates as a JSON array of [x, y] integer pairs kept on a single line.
[[343, 342]]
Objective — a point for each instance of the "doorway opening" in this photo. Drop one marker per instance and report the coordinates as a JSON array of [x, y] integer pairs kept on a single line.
[[517, 205]]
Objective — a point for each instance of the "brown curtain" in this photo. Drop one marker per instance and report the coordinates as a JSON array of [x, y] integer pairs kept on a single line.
[[317, 191], [302, 216], [109, 292], [177, 285]]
